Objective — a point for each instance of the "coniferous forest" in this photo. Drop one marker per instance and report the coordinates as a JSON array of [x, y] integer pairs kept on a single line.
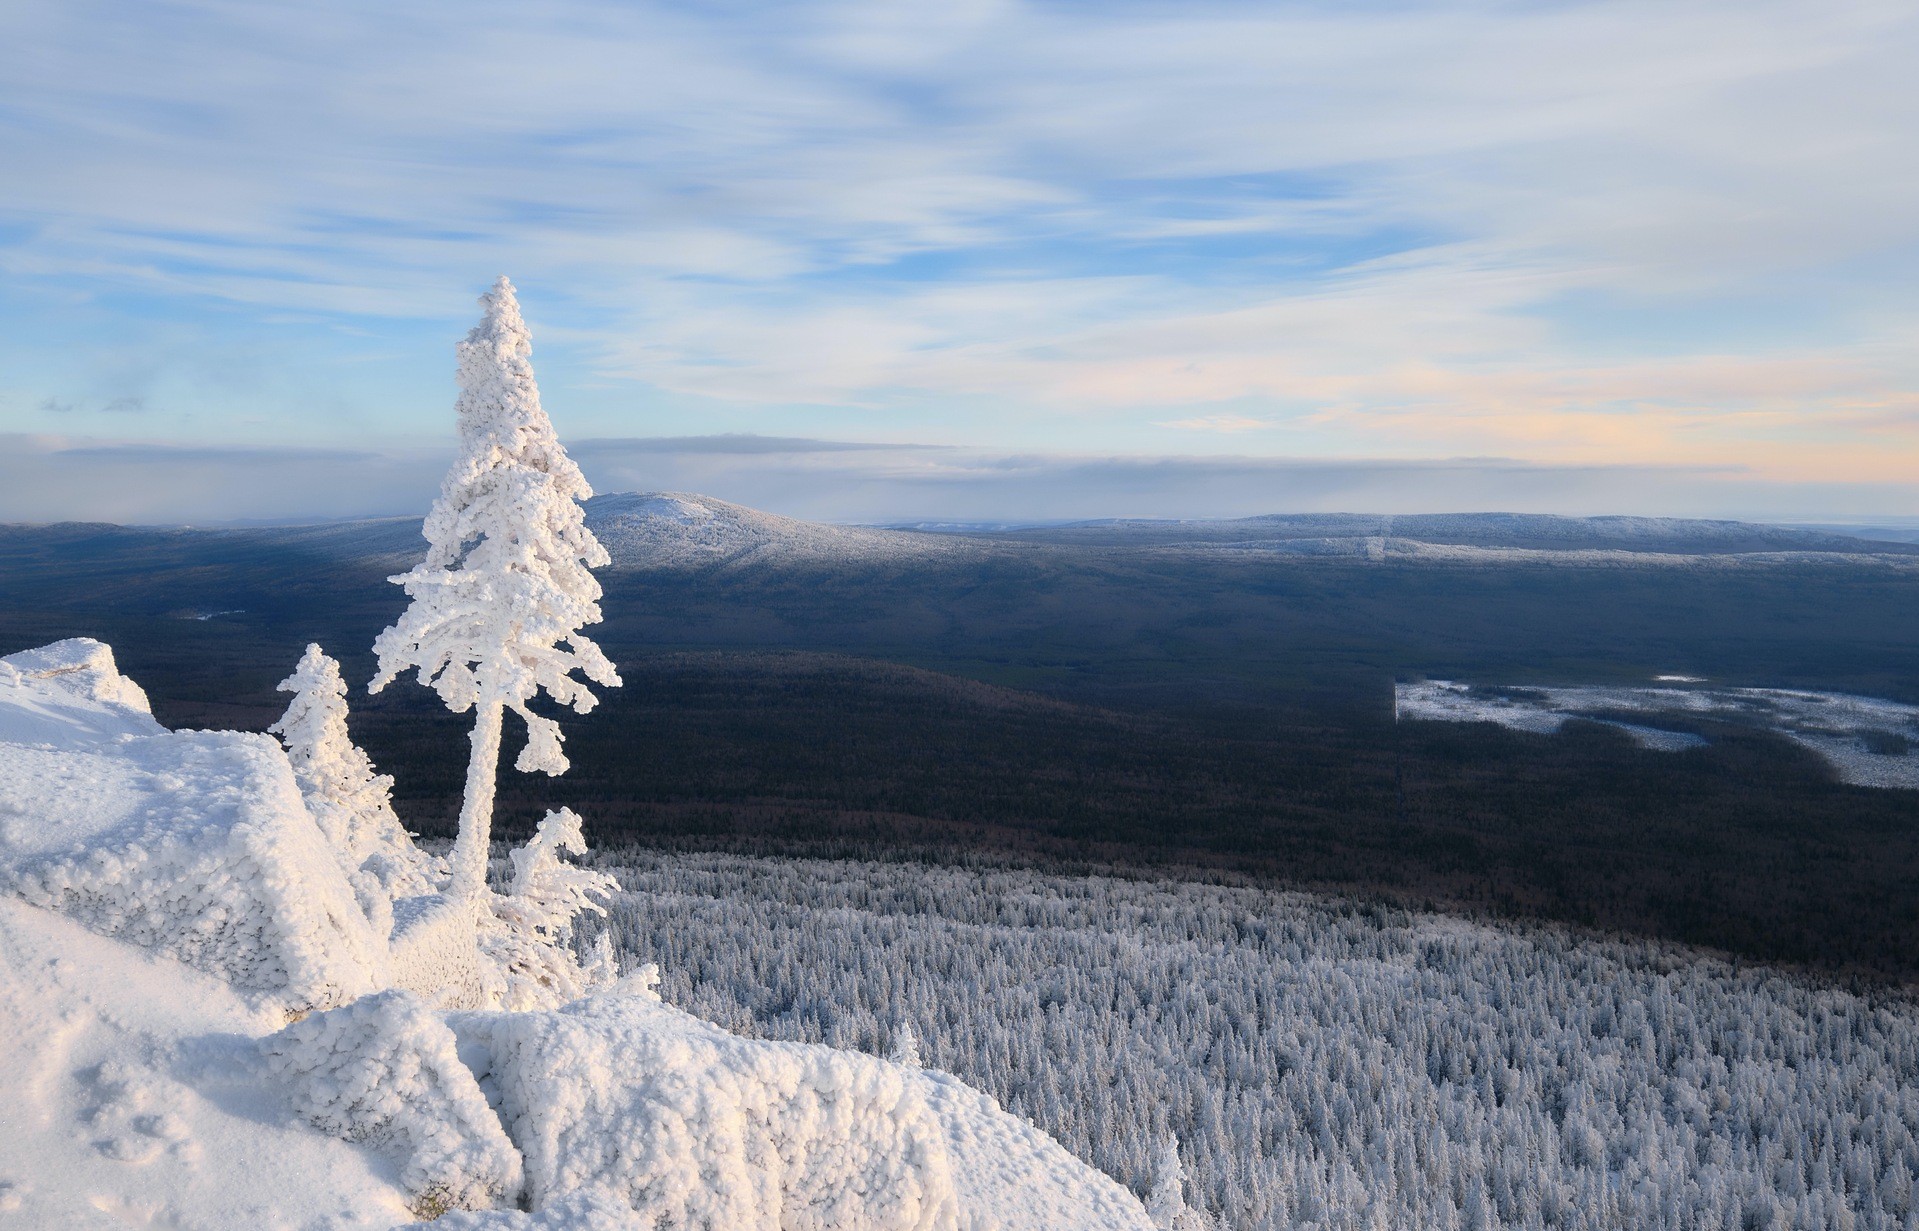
[[1323, 1063]]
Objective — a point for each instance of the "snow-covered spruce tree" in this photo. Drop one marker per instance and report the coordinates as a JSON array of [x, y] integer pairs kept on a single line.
[[906, 1046], [505, 588], [350, 802], [1166, 1204]]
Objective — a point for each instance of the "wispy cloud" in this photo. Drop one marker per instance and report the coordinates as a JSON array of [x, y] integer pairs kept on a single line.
[[1224, 424]]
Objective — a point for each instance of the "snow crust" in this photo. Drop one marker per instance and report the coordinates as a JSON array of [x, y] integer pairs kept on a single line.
[[650, 1109], [70, 694], [128, 1097], [691, 1126]]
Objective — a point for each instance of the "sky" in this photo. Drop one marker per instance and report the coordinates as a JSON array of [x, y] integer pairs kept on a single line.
[[971, 260]]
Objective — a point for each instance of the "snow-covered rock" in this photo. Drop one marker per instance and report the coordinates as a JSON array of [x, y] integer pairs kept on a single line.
[[70, 693], [695, 1127], [385, 1070], [205, 1030], [194, 844], [685, 1125]]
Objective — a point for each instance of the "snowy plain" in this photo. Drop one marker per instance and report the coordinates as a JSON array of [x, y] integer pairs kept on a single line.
[[1866, 740]]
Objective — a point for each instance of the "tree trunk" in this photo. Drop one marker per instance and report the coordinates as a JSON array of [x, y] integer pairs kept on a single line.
[[474, 843]]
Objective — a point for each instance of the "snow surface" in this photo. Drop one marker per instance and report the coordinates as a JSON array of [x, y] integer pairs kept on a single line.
[[386, 1071], [128, 1098], [653, 1109], [1866, 740], [207, 1031]]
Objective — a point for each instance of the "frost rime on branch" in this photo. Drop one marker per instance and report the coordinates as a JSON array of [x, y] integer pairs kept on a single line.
[[498, 602]]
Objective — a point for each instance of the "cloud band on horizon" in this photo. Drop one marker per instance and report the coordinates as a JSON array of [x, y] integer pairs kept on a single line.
[[51, 479]]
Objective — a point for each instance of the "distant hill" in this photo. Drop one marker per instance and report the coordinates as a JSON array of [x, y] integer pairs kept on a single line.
[[1530, 531], [682, 531]]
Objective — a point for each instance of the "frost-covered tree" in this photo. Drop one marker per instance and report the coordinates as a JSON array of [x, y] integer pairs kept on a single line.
[[548, 892], [906, 1046], [528, 935], [505, 587], [351, 803], [1166, 1204]]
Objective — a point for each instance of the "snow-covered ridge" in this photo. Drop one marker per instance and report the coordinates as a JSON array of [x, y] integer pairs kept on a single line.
[[204, 974], [1534, 531], [684, 532], [675, 530]]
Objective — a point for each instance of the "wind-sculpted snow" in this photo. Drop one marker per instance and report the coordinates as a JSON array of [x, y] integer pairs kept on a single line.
[[1867, 741], [130, 1096], [689, 1126], [693, 1127], [386, 1071], [1322, 1064], [195, 844]]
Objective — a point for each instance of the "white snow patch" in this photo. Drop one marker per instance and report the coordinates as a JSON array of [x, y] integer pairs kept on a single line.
[[1867, 741]]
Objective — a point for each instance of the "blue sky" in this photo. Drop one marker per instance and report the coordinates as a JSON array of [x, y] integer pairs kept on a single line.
[[1675, 239]]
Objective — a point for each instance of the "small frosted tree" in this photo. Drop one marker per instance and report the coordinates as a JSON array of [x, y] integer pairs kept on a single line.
[[352, 804], [335, 776], [498, 602], [906, 1046], [531, 933], [1166, 1204]]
